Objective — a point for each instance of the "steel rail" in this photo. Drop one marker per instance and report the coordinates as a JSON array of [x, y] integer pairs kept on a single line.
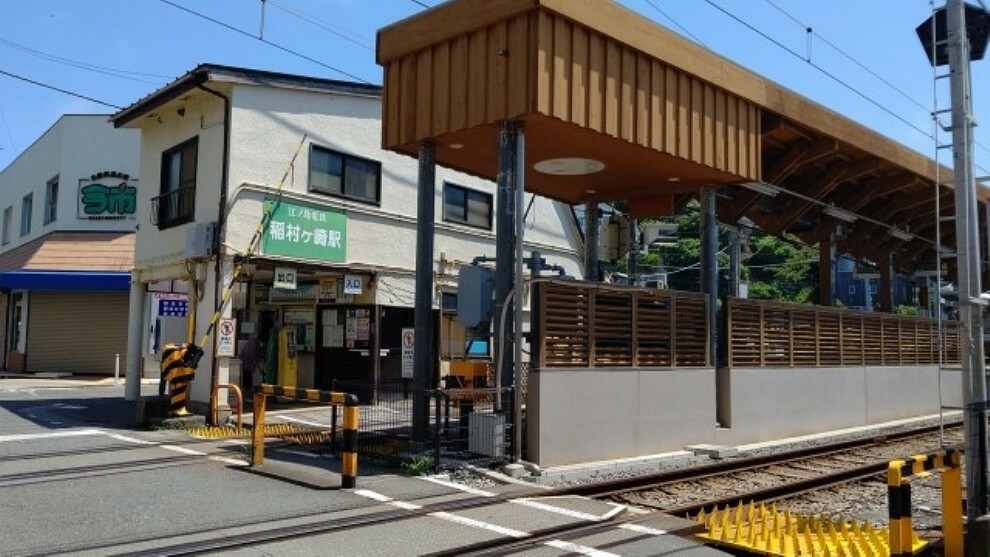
[[598, 490]]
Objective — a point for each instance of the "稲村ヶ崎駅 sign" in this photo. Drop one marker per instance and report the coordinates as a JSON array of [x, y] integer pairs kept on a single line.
[[107, 196], [305, 232]]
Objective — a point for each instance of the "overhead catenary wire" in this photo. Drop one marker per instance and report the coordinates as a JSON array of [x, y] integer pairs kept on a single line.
[[60, 90], [676, 24], [266, 41], [328, 27]]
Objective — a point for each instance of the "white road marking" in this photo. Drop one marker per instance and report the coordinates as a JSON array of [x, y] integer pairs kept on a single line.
[[134, 440], [182, 450], [299, 453], [568, 512], [464, 521], [298, 421], [373, 495], [464, 488], [36, 436], [579, 549], [225, 460], [406, 506], [70, 406], [643, 529]]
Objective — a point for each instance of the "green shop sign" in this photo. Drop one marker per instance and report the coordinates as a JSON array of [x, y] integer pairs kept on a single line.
[[305, 232], [107, 196]]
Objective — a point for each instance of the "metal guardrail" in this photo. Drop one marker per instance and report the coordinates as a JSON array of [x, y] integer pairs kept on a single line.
[[351, 418], [901, 538]]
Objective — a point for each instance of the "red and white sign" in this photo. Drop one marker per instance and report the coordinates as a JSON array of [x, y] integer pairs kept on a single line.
[[226, 337], [408, 342]]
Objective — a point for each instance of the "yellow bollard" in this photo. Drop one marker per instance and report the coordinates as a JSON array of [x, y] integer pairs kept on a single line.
[[177, 372], [258, 435]]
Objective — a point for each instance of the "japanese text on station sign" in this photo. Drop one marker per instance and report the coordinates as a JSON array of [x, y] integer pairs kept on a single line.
[[305, 232]]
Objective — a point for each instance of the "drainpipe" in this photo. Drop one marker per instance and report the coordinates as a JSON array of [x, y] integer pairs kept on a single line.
[[221, 222]]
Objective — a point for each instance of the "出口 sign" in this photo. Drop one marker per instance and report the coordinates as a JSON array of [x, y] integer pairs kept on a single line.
[[305, 232]]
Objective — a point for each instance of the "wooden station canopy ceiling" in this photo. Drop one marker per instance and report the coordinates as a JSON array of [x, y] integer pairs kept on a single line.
[[592, 80]]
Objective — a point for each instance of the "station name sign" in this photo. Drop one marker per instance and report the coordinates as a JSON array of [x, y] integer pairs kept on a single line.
[[305, 232]]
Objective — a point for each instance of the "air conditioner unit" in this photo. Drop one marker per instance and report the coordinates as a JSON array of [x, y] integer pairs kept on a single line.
[[201, 240], [486, 434]]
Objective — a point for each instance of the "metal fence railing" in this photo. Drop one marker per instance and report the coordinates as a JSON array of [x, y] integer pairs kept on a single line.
[[466, 426]]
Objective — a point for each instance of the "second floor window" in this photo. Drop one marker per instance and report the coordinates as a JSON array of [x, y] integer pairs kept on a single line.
[[343, 175], [27, 206], [177, 203], [470, 207], [51, 200], [8, 215]]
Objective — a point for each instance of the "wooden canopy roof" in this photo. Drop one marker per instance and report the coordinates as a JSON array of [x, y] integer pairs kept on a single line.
[[593, 80]]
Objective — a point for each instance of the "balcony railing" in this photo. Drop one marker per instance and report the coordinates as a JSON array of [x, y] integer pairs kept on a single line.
[[173, 208]]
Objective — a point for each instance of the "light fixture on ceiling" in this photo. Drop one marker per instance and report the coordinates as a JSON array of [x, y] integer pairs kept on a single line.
[[673, 179], [591, 192], [569, 166], [761, 187], [901, 234], [841, 214], [456, 145]]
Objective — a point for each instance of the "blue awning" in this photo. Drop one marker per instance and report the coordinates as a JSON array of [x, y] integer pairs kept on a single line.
[[66, 280]]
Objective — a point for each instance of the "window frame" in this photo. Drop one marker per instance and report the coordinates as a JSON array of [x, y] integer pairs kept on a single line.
[[51, 201], [165, 173], [8, 219], [344, 158], [27, 209], [489, 198]]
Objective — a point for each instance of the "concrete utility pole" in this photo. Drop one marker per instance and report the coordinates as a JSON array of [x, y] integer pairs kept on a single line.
[[968, 261]]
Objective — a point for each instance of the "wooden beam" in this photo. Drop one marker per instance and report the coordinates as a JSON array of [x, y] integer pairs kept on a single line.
[[863, 194], [800, 154], [836, 174]]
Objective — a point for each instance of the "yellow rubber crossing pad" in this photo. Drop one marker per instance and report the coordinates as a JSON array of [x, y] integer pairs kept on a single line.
[[304, 436], [764, 530]]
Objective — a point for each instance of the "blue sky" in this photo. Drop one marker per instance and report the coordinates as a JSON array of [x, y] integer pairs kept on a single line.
[[131, 47]]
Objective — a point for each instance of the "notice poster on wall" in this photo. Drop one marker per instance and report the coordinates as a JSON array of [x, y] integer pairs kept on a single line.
[[363, 328]]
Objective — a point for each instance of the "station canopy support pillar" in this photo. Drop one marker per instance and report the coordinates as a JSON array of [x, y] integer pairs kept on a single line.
[[591, 241], [505, 213], [886, 289], [735, 255], [423, 311], [826, 271], [709, 266]]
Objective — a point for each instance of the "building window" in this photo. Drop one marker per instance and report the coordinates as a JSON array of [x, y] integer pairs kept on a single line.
[[8, 215], [852, 289], [343, 175], [873, 288], [177, 203], [27, 206], [51, 200], [470, 207]]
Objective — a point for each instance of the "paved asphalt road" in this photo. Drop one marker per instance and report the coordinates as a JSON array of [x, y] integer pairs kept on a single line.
[[76, 478]]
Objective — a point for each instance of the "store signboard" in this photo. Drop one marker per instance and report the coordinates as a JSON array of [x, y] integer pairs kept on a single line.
[[107, 196], [305, 232], [408, 343]]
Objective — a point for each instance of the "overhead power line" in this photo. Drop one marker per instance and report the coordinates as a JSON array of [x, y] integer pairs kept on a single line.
[[60, 90], [676, 24], [113, 72], [421, 4], [266, 41], [328, 27]]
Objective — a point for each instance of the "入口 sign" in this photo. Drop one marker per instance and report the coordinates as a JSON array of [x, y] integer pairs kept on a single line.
[[353, 284], [284, 278]]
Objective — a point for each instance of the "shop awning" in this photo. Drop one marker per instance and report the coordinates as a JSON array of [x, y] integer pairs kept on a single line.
[[66, 280]]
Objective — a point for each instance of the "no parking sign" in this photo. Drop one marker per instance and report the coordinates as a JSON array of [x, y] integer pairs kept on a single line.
[[226, 339], [408, 342]]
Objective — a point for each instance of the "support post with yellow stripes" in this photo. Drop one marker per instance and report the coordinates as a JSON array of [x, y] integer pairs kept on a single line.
[[178, 369], [348, 459], [901, 537]]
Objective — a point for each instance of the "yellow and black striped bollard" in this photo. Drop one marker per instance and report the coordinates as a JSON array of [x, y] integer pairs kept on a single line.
[[177, 373]]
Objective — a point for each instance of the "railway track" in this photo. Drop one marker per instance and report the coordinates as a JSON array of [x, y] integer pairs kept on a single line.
[[817, 467]]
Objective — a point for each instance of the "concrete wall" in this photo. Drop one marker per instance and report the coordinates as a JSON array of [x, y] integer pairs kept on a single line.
[[588, 415], [774, 403]]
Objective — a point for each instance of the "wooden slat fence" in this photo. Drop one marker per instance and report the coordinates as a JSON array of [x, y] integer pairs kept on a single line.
[[593, 326], [762, 333]]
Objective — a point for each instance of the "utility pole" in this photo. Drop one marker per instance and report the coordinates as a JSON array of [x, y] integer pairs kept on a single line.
[[968, 261]]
